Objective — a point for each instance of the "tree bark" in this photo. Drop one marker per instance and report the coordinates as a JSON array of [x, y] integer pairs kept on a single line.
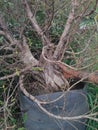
[[26, 55], [76, 74]]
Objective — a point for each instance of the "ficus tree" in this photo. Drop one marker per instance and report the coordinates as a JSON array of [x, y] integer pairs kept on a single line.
[[44, 45]]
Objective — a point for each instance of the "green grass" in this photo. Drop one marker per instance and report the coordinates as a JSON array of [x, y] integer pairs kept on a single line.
[[93, 105]]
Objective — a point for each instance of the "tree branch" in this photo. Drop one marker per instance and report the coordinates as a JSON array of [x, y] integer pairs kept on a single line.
[[76, 74], [49, 10], [4, 32], [7, 36], [25, 54], [92, 11], [63, 39], [37, 28], [15, 73]]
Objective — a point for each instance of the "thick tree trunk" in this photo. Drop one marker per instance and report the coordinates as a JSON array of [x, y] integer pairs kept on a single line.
[[27, 57], [54, 79]]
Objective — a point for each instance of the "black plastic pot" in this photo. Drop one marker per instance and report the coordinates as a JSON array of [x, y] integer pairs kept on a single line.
[[73, 103]]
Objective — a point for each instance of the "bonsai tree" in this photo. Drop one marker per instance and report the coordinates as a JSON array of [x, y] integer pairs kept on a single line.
[[44, 45]]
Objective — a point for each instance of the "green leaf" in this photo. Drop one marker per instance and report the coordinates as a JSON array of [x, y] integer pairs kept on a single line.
[[1, 38], [37, 69], [24, 117], [30, 42], [1, 102], [22, 128], [96, 10], [96, 20], [17, 72]]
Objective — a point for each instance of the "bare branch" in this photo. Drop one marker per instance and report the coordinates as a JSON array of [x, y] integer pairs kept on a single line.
[[2, 24], [63, 39], [92, 11], [15, 73], [8, 76], [25, 54], [4, 31], [7, 36], [49, 10], [83, 14], [76, 74], [37, 28]]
